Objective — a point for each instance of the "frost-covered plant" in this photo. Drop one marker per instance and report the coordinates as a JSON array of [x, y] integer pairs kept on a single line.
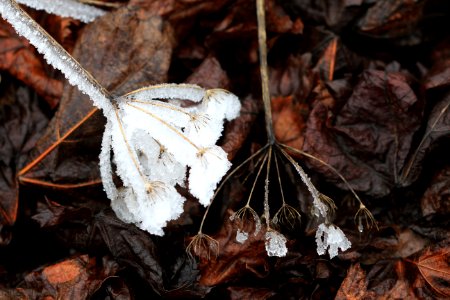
[[322, 206], [154, 141], [66, 8], [153, 144]]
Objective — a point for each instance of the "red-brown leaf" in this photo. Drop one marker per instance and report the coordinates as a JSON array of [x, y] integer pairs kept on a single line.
[[434, 267]]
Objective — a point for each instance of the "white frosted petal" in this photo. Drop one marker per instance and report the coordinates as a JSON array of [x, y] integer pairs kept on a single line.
[[206, 172], [190, 92]]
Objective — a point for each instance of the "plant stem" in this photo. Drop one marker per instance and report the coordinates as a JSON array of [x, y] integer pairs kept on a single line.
[[262, 42]]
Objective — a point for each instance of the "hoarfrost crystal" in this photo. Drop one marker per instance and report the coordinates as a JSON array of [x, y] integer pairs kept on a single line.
[[66, 8], [331, 238], [275, 244]]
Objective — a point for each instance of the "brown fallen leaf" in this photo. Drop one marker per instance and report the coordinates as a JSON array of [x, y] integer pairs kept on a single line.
[[355, 284], [21, 60], [235, 260], [21, 123], [436, 198], [369, 138], [434, 267], [391, 18], [238, 130], [289, 121], [125, 50], [75, 278], [437, 128]]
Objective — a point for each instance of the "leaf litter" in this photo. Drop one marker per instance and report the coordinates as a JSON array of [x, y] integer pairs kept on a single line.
[[371, 138]]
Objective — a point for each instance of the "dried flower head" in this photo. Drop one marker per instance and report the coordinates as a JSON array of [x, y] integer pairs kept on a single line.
[[287, 216], [203, 246], [364, 218], [247, 217]]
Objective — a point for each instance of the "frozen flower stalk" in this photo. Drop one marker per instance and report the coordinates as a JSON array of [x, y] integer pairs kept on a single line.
[[331, 238], [153, 141]]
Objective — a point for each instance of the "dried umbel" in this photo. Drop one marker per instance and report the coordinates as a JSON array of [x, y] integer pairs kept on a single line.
[[154, 144], [152, 139]]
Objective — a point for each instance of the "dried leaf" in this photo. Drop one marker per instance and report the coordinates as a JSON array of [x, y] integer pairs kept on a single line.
[[438, 127], [392, 18], [434, 267], [132, 49], [235, 260], [237, 132], [436, 198], [21, 122], [75, 278], [239, 292], [354, 285], [289, 121], [20, 59], [370, 136]]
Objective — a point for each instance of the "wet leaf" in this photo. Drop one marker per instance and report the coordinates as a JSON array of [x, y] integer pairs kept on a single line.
[[370, 136], [235, 260], [237, 292], [289, 121], [438, 127], [20, 59], [436, 198], [237, 132], [130, 247], [390, 19], [75, 278], [434, 267], [354, 285], [21, 122]]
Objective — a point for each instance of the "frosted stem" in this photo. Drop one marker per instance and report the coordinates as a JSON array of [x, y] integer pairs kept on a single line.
[[66, 8], [55, 54]]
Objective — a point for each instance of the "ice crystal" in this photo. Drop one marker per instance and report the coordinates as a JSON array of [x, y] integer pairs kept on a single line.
[[331, 238], [241, 236], [275, 244], [66, 8]]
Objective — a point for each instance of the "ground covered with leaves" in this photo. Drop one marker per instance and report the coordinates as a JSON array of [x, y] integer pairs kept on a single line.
[[363, 85]]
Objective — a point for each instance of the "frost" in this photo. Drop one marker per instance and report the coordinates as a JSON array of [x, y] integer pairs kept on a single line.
[[152, 154], [66, 8], [275, 244], [151, 137], [331, 238], [241, 236]]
